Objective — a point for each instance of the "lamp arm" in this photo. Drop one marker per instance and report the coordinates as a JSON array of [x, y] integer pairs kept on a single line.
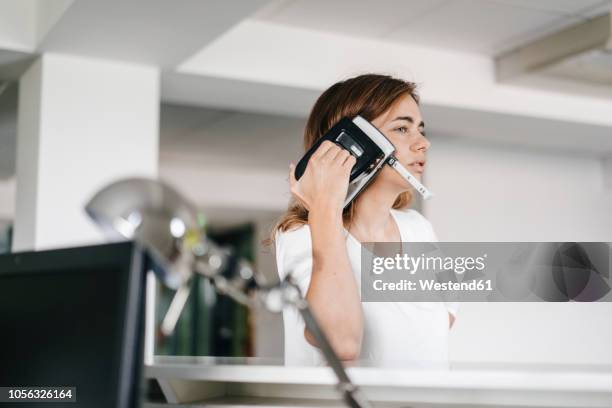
[[212, 264], [289, 295], [352, 395]]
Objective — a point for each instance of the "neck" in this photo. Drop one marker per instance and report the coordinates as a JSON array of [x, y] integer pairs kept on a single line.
[[372, 209]]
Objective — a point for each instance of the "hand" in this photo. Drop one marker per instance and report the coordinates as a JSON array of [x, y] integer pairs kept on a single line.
[[325, 181]]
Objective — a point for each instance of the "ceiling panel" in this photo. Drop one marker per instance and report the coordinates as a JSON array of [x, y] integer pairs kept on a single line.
[[512, 42], [212, 137], [482, 26], [357, 17], [575, 7], [604, 7], [152, 32], [473, 25]]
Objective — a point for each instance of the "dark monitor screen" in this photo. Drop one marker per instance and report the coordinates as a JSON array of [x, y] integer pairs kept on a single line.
[[73, 318]]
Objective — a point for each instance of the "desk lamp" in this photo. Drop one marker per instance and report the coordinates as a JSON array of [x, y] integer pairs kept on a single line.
[[157, 216]]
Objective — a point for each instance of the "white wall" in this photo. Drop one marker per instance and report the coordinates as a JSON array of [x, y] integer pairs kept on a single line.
[[228, 185], [504, 194], [482, 194], [500, 194]]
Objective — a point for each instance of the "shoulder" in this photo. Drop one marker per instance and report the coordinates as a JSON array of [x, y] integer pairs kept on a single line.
[[417, 223], [293, 245], [294, 252], [299, 236]]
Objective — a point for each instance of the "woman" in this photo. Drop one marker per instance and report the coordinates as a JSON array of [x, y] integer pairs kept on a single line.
[[318, 242]]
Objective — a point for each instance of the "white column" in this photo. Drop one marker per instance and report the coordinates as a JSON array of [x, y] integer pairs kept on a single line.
[[607, 173], [82, 123]]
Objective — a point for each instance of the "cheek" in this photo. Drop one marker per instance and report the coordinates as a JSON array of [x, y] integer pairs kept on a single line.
[[401, 146], [386, 173], [402, 153]]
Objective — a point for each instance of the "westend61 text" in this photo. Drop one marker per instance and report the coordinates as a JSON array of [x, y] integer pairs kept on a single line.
[[433, 286]]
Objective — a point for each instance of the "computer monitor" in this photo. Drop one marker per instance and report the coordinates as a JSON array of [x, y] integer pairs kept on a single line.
[[74, 318]]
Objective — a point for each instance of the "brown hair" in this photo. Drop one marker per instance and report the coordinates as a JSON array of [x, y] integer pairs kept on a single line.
[[368, 95]]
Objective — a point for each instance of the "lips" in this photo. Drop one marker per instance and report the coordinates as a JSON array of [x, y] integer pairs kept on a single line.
[[417, 166]]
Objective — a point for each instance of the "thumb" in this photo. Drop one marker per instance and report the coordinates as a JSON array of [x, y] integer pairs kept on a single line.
[[292, 179]]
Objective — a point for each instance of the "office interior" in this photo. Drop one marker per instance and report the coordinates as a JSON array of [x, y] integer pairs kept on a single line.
[[211, 97]]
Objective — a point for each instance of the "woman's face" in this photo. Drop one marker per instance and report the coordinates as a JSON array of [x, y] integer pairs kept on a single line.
[[403, 125]]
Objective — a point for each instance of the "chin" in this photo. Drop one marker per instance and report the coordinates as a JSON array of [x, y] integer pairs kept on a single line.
[[418, 176]]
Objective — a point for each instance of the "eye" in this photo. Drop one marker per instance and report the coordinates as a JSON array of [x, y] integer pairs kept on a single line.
[[402, 129]]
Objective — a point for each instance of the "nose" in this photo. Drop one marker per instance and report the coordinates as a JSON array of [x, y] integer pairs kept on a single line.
[[421, 144]]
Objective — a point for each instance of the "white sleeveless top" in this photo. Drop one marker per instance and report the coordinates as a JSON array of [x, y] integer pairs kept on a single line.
[[396, 334]]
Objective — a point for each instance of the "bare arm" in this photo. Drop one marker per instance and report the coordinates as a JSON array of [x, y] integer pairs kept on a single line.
[[333, 293]]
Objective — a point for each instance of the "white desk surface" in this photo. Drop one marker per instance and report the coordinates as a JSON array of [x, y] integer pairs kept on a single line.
[[475, 385]]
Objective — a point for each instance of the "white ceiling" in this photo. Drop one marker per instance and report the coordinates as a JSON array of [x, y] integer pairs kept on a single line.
[[211, 137], [482, 26], [160, 33], [155, 32]]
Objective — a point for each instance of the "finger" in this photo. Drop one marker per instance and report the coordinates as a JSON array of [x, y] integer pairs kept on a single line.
[[292, 179], [322, 149], [350, 161], [331, 153], [341, 156], [292, 172]]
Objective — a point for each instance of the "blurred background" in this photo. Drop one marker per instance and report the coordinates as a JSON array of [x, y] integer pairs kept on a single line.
[[212, 97]]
